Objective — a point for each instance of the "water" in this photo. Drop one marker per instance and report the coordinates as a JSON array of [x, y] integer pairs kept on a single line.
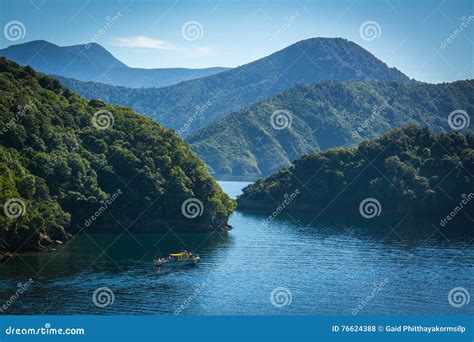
[[324, 268]]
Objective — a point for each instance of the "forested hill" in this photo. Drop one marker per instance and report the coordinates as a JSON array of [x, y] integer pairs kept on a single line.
[[267, 136], [68, 164], [189, 106], [408, 172]]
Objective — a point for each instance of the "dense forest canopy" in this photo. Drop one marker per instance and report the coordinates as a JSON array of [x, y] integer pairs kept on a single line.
[[410, 171], [320, 116], [69, 164]]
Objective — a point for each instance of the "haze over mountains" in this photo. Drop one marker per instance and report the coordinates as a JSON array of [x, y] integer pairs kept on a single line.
[[323, 115], [191, 105], [91, 62], [335, 92]]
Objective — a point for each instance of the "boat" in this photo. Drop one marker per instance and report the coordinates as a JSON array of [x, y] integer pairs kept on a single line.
[[177, 259]]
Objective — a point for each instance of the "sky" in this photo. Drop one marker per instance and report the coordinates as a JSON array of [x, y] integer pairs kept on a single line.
[[428, 40]]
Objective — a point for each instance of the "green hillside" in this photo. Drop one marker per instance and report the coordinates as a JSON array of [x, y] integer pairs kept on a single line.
[[408, 172], [323, 115], [191, 105], [69, 165]]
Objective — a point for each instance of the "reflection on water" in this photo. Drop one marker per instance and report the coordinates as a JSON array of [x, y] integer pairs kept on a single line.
[[328, 268]]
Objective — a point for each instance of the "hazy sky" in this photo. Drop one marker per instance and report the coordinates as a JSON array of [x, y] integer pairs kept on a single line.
[[410, 35]]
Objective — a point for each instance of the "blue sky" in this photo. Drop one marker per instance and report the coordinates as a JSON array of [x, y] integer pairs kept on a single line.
[[409, 35]]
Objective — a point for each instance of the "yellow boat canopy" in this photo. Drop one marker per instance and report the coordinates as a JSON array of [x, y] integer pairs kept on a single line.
[[177, 254]]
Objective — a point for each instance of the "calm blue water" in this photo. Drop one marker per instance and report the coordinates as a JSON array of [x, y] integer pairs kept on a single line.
[[323, 268]]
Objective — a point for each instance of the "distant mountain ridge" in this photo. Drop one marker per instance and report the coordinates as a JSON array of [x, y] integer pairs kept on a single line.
[[323, 115], [92, 62], [191, 105]]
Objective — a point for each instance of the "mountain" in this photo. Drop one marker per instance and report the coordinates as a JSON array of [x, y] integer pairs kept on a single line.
[[408, 172], [91, 62], [323, 115], [189, 106], [71, 165]]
